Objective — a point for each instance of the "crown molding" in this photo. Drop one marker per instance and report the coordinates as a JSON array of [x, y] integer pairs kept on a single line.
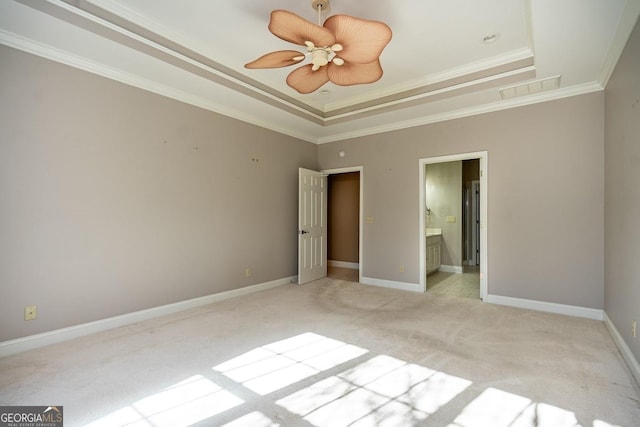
[[60, 56], [118, 23], [447, 91], [521, 58], [625, 27], [106, 24], [467, 112], [124, 19], [57, 55]]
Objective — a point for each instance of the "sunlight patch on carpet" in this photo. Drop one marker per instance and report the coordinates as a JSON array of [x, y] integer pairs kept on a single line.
[[380, 391], [282, 363], [376, 390], [182, 404], [497, 408]]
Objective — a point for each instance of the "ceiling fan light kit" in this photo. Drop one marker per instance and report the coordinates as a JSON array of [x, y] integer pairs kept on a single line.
[[344, 50]]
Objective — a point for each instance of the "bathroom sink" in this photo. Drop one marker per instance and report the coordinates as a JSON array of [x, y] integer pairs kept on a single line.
[[434, 232]]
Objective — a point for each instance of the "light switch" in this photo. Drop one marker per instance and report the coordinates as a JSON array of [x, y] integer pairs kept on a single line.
[[451, 219], [370, 220]]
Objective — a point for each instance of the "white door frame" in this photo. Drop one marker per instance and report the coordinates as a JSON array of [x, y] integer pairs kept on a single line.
[[361, 207], [484, 173]]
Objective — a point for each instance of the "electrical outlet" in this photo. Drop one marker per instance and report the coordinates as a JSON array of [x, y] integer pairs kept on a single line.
[[30, 312], [247, 272], [634, 329]]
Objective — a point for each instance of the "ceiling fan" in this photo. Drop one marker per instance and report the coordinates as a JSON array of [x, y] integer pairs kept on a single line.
[[344, 50]]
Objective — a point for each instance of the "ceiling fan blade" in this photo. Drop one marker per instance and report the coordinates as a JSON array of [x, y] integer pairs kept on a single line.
[[305, 80], [278, 59], [354, 74], [292, 28], [362, 40]]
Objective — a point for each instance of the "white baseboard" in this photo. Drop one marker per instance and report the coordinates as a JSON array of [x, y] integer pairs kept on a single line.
[[414, 287], [550, 307], [627, 355], [19, 345], [343, 264], [451, 269]]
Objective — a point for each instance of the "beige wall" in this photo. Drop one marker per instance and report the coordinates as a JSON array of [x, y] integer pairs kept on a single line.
[[343, 217], [622, 183], [545, 196], [113, 199], [443, 196]]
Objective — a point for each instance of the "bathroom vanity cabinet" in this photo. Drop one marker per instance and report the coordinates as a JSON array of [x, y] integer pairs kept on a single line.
[[434, 248]]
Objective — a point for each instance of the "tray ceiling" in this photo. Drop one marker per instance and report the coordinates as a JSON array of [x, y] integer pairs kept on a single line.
[[438, 65]]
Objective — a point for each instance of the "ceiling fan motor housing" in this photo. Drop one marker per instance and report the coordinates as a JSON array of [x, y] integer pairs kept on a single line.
[[320, 57]]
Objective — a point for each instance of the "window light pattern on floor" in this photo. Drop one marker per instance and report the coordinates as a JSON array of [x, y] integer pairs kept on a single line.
[[381, 391], [369, 390], [274, 366], [185, 403]]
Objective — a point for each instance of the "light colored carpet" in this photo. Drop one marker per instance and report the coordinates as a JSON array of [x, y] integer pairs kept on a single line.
[[334, 353]]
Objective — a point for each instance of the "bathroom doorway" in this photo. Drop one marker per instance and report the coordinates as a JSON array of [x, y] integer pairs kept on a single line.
[[453, 256]]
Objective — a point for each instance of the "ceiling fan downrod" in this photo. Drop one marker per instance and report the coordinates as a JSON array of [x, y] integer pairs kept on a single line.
[[320, 6], [322, 55]]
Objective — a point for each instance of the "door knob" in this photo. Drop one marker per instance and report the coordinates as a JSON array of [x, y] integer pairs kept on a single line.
[[303, 232]]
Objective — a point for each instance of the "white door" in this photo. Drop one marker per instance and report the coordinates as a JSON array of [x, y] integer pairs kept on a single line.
[[312, 226]]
